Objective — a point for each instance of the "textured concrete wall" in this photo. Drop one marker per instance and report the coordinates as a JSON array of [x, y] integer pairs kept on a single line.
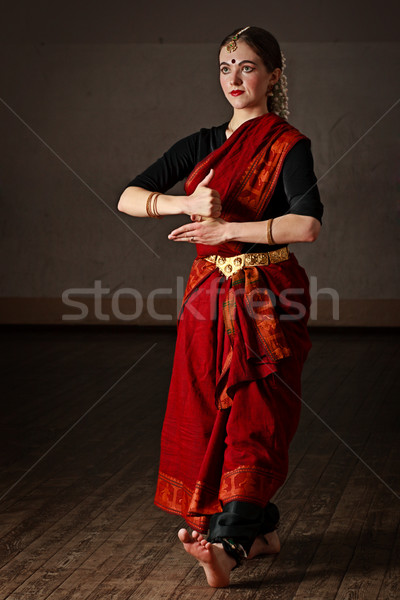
[[80, 120]]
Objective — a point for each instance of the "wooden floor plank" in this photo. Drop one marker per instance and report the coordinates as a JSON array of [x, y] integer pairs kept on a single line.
[[390, 588], [339, 539], [70, 414], [81, 525], [366, 571]]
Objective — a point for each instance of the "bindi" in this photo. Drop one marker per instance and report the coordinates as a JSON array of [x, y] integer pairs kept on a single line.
[[233, 60]]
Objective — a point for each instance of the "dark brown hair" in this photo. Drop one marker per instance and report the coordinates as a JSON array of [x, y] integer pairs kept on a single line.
[[263, 43]]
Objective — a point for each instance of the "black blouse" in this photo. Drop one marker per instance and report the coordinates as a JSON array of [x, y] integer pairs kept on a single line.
[[296, 191]]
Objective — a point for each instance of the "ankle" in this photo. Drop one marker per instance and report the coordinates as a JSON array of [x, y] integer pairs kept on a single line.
[[229, 561], [234, 551]]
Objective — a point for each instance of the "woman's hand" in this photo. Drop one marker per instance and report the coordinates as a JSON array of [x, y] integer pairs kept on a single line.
[[210, 232], [204, 201]]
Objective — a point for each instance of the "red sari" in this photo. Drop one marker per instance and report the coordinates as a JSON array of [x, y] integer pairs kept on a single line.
[[235, 393]]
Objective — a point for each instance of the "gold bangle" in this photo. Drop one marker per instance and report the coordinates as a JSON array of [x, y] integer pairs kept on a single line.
[[152, 210], [270, 239], [155, 211], [148, 204]]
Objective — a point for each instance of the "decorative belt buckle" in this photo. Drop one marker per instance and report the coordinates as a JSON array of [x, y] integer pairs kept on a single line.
[[229, 265]]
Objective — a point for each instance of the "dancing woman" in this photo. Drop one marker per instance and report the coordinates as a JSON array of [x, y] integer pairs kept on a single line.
[[235, 394]]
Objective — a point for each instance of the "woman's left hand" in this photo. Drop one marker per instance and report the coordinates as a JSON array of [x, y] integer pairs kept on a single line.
[[210, 232]]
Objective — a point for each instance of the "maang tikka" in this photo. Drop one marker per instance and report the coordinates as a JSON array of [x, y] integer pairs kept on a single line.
[[232, 46]]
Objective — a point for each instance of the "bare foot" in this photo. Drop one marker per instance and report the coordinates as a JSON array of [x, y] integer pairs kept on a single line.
[[216, 563], [265, 544]]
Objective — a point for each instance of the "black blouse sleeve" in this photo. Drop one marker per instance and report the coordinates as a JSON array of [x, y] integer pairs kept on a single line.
[[179, 161], [173, 166], [300, 182]]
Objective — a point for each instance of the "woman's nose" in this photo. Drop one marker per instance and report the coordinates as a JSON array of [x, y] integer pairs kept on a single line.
[[235, 78]]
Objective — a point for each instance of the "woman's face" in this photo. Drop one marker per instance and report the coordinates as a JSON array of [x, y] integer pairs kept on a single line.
[[244, 71]]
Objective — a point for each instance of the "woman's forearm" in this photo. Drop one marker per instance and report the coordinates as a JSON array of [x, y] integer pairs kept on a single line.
[[286, 229], [133, 202]]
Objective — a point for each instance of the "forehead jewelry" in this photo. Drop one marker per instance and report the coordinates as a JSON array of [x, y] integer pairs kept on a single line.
[[232, 46]]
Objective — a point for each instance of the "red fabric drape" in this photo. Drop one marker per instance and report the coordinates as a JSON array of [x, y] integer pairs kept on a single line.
[[234, 398], [210, 456], [247, 168]]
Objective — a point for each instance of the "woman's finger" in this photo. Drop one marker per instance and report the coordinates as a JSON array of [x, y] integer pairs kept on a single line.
[[184, 230], [207, 178]]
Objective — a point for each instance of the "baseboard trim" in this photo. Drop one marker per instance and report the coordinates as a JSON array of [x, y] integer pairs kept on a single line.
[[163, 313]]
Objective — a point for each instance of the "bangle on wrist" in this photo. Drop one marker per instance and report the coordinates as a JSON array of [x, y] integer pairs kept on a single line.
[[270, 239], [151, 206]]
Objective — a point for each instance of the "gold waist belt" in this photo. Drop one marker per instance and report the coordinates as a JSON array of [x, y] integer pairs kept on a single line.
[[228, 265]]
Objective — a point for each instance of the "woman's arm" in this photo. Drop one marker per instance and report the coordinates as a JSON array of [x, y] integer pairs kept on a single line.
[[133, 202], [286, 229], [173, 166], [204, 201]]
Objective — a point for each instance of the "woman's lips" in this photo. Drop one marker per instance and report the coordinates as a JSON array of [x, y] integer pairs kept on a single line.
[[236, 93]]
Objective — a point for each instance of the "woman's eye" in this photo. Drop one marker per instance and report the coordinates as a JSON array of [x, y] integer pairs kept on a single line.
[[246, 69]]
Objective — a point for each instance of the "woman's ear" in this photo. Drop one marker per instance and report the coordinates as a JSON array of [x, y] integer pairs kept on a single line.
[[276, 73]]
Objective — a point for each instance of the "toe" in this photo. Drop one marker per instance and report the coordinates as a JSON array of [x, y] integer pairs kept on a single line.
[[184, 536]]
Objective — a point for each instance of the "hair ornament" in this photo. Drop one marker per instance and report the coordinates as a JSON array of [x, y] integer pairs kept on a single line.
[[232, 46]]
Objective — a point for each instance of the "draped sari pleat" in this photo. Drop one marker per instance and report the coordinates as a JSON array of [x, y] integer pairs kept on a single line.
[[235, 393]]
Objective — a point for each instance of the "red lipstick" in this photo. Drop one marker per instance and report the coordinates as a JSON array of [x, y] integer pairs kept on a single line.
[[236, 93]]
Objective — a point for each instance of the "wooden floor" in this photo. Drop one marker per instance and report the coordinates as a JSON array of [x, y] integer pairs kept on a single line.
[[81, 417]]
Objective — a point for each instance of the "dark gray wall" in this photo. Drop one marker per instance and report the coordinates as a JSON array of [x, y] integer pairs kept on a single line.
[[90, 95]]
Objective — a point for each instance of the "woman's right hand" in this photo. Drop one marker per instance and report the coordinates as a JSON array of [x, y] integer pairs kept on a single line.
[[204, 202]]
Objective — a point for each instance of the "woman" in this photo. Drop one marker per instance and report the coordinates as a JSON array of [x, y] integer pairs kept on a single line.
[[234, 398]]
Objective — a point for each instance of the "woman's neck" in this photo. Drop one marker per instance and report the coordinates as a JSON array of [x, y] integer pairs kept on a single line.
[[241, 116]]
